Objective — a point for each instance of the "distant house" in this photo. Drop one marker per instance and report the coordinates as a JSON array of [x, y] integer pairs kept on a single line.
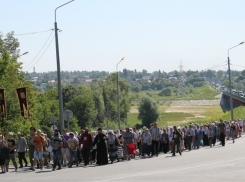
[[173, 79], [86, 79], [51, 81], [34, 78]]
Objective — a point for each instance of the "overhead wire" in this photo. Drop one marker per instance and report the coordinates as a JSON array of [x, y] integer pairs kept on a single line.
[[237, 65], [34, 32], [39, 51], [42, 54], [216, 66]]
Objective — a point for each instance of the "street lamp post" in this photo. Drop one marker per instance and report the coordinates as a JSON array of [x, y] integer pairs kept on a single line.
[[118, 97], [229, 71], [58, 70], [23, 54]]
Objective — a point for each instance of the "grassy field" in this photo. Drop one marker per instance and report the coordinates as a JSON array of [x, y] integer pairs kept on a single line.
[[182, 115], [204, 92]]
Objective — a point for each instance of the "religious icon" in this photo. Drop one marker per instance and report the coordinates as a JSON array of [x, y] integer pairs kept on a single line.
[[71, 145], [22, 95]]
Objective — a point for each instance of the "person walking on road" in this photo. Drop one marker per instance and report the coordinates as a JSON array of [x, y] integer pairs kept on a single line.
[[222, 132], [56, 143], [21, 148], [233, 131], [31, 146], [112, 146], [128, 139], [12, 147], [228, 130], [72, 146], [64, 149], [177, 137], [165, 141], [4, 152], [210, 135], [155, 135], [86, 141], [190, 133], [146, 142], [38, 142], [102, 157]]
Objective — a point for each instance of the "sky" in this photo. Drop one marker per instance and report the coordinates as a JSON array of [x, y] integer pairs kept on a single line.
[[151, 34]]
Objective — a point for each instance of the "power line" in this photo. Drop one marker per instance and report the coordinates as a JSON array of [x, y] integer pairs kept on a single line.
[[34, 32], [216, 66], [237, 65], [39, 51], [42, 54]]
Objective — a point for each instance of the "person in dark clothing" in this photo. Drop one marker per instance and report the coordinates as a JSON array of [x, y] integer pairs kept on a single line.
[[12, 147], [56, 143], [165, 142], [4, 153], [176, 138], [222, 132], [86, 141], [102, 157]]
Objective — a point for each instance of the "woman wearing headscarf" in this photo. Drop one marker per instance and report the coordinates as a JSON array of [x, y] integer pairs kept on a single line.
[[146, 142], [182, 145], [233, 131], [139, 146], [4, 153], [165, 141], [170, 137], [102, 158], [120, 151], [128, 139], [112, 146], [118, 133]]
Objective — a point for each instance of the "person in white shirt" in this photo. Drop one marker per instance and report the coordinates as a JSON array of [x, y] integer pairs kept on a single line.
[[190, 133], [170, 138], [205, 136]]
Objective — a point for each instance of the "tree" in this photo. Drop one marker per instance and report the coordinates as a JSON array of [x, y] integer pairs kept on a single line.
[[99, 104], [69, 91], [10, 79], [148, 111], [10, 44], [144, 72], [109, 92], [166, 92], [83, 107], [136, 87]]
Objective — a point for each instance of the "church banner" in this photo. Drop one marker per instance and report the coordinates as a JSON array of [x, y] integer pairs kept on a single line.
[[3, 109], [22, 96]]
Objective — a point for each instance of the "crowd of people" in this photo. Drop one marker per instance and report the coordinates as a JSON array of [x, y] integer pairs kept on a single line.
[[100, 147]]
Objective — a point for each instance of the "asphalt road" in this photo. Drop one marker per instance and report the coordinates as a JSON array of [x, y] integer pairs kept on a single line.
[[215, 164]]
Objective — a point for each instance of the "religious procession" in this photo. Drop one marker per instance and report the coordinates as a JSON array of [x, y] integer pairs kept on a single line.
[[102, 147]]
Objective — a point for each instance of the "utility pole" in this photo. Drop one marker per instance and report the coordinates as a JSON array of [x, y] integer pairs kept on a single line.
[[58, 70], [229, 72]]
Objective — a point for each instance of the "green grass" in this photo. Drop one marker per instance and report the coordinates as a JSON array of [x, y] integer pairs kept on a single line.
[[200, 93], [189, 114]]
